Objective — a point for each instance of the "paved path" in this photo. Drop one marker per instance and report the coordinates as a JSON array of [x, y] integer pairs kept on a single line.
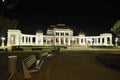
[[76, 65]]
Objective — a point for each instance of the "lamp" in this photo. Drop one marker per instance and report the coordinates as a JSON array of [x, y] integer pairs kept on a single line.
[[3, 39]]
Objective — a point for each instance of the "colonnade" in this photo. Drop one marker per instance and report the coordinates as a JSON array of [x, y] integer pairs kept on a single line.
[[17, 38]]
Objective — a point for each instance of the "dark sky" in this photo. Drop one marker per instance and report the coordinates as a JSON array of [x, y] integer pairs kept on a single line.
[[91, 17]]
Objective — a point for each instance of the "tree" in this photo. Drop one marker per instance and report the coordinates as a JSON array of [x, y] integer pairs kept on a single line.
[[116, 28], [6, 24]]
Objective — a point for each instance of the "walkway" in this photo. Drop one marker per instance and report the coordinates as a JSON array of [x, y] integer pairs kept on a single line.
[[75, 65]]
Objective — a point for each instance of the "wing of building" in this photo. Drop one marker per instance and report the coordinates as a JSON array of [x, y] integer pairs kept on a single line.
[[57, 35]]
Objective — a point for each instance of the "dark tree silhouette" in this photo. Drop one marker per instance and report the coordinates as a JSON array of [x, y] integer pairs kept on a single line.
[[5, 23], [116, 28]]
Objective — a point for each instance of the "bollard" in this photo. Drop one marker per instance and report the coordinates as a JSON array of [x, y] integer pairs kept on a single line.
[[12, 64]]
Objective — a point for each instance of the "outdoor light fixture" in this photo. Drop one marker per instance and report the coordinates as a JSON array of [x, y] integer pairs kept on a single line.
[[3, 0], [3, 39]]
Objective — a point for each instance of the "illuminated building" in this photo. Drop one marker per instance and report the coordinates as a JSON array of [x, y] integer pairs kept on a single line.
[[58, 35]]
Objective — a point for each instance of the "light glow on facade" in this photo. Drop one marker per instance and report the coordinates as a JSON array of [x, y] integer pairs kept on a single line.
[[57, 36]]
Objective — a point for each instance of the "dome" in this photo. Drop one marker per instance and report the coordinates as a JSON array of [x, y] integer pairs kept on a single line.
[[81, 33], [39, 31]]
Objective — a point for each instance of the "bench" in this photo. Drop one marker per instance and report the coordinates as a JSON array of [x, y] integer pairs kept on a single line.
[[43, 54], [12, 77], [30, 65]]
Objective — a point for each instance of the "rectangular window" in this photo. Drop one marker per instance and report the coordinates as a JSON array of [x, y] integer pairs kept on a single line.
[[22, 39], [62, 34], [66, 34], [57, 33]]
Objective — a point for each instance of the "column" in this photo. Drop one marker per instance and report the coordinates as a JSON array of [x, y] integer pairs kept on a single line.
[[75, 41], [8, 40], [64, 41], [50, 41], [17, 39], [36, 40], [27, 39], [59, 41], [54, 41], [31, 39], [79, 41], [105, 41], [94, 40], [86, 43], [20, 39], [84, 40], [97, 41], [110, 40], [42, 40], [69, 41], [101, 41]]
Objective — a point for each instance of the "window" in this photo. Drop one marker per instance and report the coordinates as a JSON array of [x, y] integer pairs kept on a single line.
[[66, 34], [22, 39], [57, 33], [62, 34]]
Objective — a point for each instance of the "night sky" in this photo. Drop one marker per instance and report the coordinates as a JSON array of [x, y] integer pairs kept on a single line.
[[90, 17]]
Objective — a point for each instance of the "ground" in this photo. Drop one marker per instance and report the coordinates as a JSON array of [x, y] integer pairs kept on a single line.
[[75, 65]]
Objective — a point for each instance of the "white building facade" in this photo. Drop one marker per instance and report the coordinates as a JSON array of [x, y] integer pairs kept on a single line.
[[57, 36]]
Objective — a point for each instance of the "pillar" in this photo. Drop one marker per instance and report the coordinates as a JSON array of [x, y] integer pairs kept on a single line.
[[79, 41], [64, 41], [110, 40], [105, 41], [97, 41], [16, 40], [84, 40], [59, 41], [31, 39], [8, 40], [12, 64], [69, 41], [101, 41]]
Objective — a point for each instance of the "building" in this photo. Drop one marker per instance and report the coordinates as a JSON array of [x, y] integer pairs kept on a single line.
[[57, 35]]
